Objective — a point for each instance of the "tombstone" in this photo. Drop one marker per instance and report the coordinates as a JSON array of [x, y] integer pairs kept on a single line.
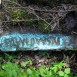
[[19, 35]]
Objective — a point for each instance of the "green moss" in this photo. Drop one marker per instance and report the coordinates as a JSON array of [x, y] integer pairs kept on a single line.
[[20, 14], [11, 3], [43, 26]]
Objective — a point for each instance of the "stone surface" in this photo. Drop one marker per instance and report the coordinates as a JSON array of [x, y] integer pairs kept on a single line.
[[23, 42]]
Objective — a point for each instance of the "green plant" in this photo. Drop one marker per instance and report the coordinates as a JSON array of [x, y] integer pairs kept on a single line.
[[44, 71], [8, 56], [57, 69], [11, 70], [32, 72], [65, 73], [75, 73], [20, 14], [27, 62], [60, 70]]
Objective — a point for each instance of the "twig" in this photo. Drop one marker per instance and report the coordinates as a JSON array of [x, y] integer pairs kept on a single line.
[[25, 20]]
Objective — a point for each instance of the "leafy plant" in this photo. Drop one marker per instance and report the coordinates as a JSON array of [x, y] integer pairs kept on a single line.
[[20, 14], [65, 73], [8, 56], [58, 69], [27, 62], [44, 71], [75, 74], [11, 70], [32, 72]]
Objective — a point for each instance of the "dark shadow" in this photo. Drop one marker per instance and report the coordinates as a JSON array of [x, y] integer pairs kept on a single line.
[[69, 24]]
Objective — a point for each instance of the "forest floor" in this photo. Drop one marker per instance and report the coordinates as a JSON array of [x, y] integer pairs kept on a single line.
[[39, 58], [30, 61]]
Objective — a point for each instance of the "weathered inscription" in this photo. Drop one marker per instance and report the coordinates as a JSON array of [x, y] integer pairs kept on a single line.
[[16, 41]]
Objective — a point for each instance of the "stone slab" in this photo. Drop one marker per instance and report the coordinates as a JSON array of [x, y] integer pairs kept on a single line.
[[22, 42]]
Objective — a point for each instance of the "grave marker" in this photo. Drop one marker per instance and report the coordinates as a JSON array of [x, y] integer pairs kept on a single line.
[[23, 42]]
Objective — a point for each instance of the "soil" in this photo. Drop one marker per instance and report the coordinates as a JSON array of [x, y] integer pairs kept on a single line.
[[42, 57]]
